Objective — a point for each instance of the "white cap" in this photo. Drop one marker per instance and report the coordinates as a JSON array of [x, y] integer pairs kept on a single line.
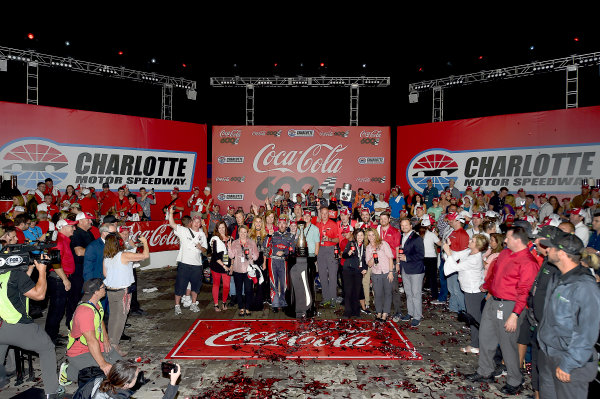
[[85, 191], [19, 209], [64, 222], [492, 214], [206, 188], [465, 214]]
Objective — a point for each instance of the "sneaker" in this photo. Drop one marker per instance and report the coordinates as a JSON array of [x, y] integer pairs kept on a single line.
[[499, 371], [406, 318], [511, 389], [365, 310], [438, 302], [62, 375], [177, 310], [186, 301], [476, 377], [194, 307], [415, 323], [326, 304]]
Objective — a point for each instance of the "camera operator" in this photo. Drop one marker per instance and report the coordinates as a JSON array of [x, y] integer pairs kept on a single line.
[[58, 280], [18, 329]]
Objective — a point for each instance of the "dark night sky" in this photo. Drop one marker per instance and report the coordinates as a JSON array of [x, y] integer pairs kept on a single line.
[[210, 41]]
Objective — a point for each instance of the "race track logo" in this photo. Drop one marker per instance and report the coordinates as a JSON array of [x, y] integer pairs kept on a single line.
[[35, 162], [371, 138], [437, 165]]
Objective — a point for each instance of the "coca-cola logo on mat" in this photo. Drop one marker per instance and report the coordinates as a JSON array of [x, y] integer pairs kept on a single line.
[[323, 339]]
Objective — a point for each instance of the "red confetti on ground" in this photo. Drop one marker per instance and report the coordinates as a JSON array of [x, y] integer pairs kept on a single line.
[[239, 386], [314, 387]]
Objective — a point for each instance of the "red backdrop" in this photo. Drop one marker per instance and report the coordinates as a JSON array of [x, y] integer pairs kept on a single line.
[[89, 148], [541, 151], [251, 162]]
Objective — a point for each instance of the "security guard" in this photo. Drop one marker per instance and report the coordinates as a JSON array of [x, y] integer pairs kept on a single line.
[[18, 329]]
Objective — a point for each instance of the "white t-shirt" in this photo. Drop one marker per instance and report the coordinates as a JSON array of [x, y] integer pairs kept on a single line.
[[380, 204], [188, 252], [429, 242]]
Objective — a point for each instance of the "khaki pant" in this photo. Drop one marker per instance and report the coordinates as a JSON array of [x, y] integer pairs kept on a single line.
[[119, 303]]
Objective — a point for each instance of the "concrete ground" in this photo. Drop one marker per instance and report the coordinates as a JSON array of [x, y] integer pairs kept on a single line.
[[438, 339]]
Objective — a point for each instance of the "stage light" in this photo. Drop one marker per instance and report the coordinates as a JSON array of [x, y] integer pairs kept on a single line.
[[322, 64], [30, 36], [413, 97], [364, 65], [576, 39], [183, 65], [275, 65], [3, 65], [67, 43], [420, 69], [120, 53], [481, 57], [531, 48], [153, 60]]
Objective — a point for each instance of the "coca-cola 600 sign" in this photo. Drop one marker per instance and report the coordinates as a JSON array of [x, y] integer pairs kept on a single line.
[[253, 162]]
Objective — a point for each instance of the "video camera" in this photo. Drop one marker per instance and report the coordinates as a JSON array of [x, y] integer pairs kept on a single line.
[[20, 256]]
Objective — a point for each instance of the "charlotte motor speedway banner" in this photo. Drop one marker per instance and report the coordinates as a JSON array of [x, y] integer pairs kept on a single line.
[[253, 162], [542, 152], [90, 148]]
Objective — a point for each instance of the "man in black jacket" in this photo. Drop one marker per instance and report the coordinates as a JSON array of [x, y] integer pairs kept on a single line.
[[411, 254]]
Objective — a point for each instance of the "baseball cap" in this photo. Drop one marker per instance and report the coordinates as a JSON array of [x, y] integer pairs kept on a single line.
[[566, 242], [363, 209], [282, 219], [547, 232], [577, 211], [75, 205], [196, 188], [90, 287], [566, 199], [427, 220], [345, 211], [230, 208], [492, 214], [19, 208], [530, 219], [542, 195], [526, 226], [105, 185], [521, 190], [85, 191], [436, 199], [510, 218], [455, 216], [478, 215], [206, 188], [465, 214], [293, 222], [84, 215], [469, 188], [306, 212], [64, 222]]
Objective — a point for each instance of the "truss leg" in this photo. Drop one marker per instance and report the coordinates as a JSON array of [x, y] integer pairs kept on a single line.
[[167, 102], [249, 105], [354, 105], [438, 104], [32, 82], [572, 96]]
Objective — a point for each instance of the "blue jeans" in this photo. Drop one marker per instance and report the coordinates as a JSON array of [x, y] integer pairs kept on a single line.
[[443, 295], [457, 297]]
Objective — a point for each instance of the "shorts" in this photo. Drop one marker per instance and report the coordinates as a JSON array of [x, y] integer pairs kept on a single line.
[[192, 274], [525, 334]]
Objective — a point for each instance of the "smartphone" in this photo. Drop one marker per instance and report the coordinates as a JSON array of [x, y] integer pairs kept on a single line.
[[166, 368]]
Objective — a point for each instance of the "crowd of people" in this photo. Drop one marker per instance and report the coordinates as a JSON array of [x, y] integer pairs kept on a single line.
[[519, 269]]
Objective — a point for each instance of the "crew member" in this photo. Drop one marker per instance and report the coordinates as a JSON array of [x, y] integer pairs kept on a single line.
[[328, 264], [281, 243]]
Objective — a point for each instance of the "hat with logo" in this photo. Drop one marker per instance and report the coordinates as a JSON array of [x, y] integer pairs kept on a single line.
[[344, 211], [306, 212], [84, 215], [469, 188], [542, 195], [577, 211], [206, 188], [566, 199], [85, 191], [530, 219], [548, 232], [403, 212], [196, 188], [64, 222], [427, 220], [282, 219], [293, 222], [90, 287], [465, 214], [521, 190], [455, 216], [436, 199], [534, 210], [566, 242], [510, 218], [492, 214], [477, 215], [363, 209], [589, 202]]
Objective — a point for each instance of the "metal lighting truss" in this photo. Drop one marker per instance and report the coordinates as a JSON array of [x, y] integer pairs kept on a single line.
[[35, 59], [569, 64], [354, 83]]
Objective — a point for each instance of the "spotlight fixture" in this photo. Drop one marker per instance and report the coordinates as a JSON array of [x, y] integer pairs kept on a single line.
[[30, 36]]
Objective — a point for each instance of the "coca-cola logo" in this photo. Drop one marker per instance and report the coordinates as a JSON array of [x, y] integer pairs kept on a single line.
[[318, 158], [275, 133], [233, 133], [159, 236]]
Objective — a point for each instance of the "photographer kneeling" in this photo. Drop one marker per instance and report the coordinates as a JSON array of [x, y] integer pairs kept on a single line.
[[122, 377], [18, 329]]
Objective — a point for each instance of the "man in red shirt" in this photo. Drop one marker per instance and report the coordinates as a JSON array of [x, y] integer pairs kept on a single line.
[[21, 224], [88, 340], [177, 204], [508, 287], [328, 264], [459, 241], [392, 236], [365, 222], [49, 206], [87, 203], [121, 203], [58, 280], [106, 198], [134, 210], [53, 191]]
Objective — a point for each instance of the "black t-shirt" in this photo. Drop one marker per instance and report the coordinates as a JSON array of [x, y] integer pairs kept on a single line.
[[80, 238], [18, 284]]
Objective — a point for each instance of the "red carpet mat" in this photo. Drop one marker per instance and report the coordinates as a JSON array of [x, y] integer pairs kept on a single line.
[[281, 339]]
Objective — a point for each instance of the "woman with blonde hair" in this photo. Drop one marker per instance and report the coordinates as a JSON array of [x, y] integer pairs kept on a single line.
[[259, 235], [380, 259]]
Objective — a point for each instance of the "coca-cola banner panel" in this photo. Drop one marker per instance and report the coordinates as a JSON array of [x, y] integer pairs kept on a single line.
[[279, 339], [253, 162], [160, 235], [548, 152], [91, 148]]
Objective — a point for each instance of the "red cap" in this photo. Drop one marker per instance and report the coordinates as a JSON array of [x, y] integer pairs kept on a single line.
[[509, 218], [542, 195], [429, 180], [287, 192], [404, 211], [478, 215], [521, 190], [595, 189], [454, 216], [478, 189], [345, 211], [363, 209], [533, 210], [280, 190], [518, 208], [435, 200], [589, 202], [306, 212], [469, 188], [293, 222], [84, 215], [577, 211], [282, 219], [174, 188], [230, 207], [332, 214], [196, 189], [566, 199], [585, 184]]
